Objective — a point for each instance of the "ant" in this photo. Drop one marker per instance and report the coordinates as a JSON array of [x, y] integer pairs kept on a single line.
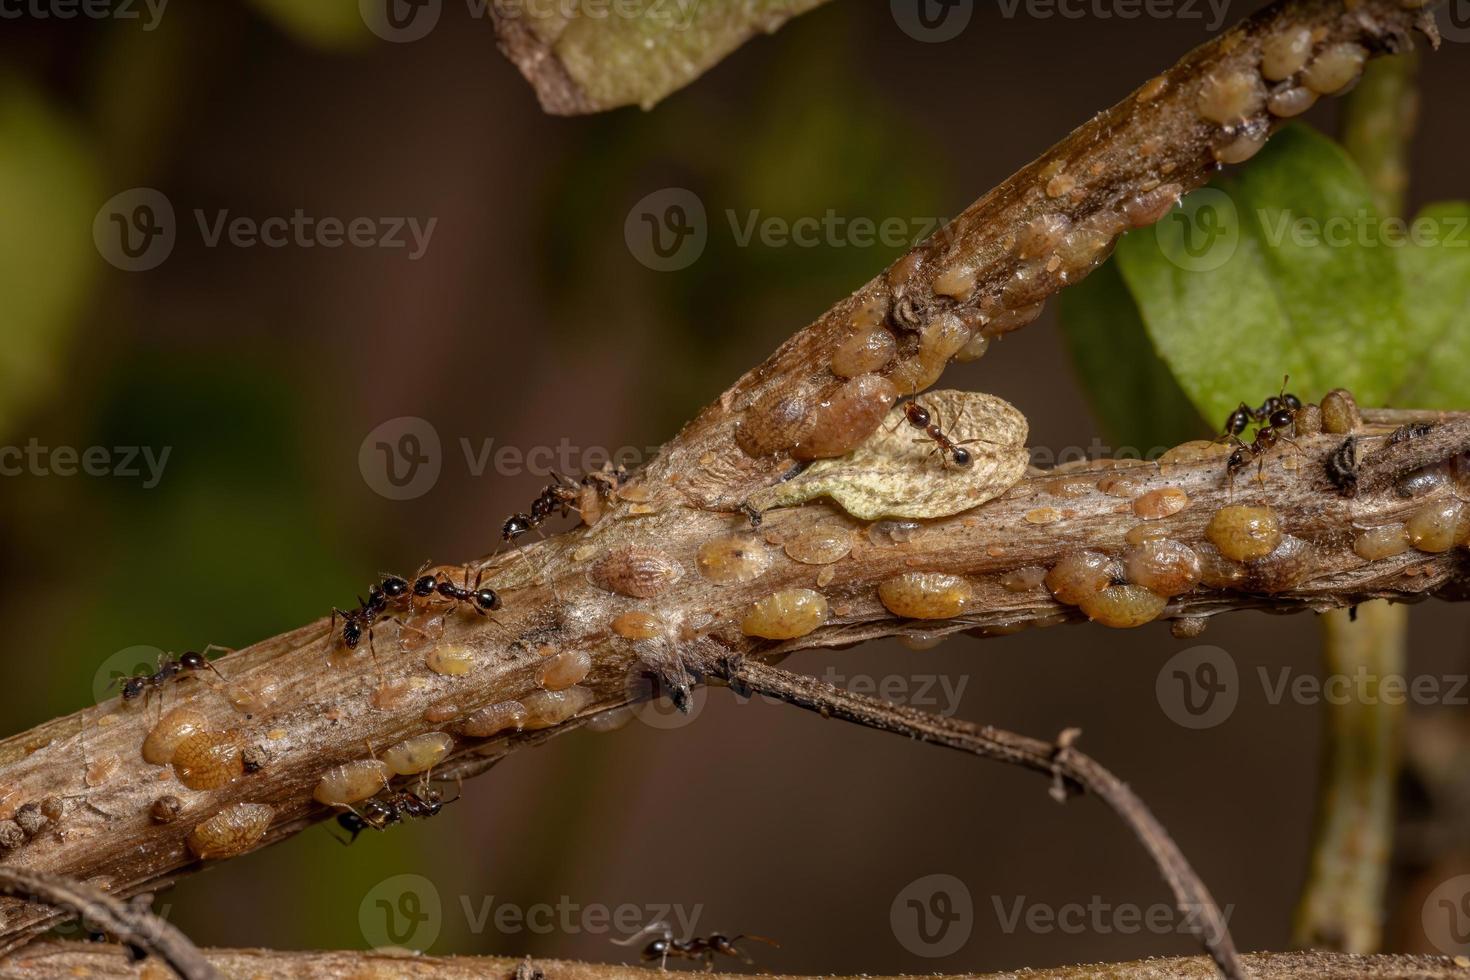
[[391, 807], [482, 599], [559, 497], [694, 948], [1276, 416], [190, 662], [922, 419]]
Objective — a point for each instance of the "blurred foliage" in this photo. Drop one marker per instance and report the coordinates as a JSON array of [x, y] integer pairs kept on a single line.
[[48, 189], [818, 140], [1284, 267], [328, 23], [620, 60]]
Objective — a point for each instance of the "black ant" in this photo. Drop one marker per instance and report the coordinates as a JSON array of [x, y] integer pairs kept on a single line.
[[559, 497], [1276, 415], [482, 599], [922, 419], [188, 663], [391, 807], [694, 948]]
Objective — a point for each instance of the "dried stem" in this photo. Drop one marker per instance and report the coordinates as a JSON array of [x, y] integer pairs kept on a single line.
[[63, 961], [131, 924], [1066, 766]]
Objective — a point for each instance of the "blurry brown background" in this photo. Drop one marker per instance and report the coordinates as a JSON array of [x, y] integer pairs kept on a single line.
[[529, 321]]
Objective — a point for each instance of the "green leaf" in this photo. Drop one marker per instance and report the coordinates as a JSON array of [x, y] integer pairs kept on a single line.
[[48, 198], [1272, 273], [1436, 271], [1131, 389]]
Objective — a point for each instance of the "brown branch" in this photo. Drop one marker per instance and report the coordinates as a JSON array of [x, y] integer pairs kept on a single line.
[[989, 270], [63, 961], [132, 924], [1063, 763], [663, 581]]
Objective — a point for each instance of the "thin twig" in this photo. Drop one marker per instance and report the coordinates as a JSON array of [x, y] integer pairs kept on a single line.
[[131, 923], [1377, 470], [1060, 761]]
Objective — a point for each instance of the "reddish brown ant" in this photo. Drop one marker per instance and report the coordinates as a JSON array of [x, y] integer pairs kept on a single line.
[[694, 948], [190, 662], [922, 419]]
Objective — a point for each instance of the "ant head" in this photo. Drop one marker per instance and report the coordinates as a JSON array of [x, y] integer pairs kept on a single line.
[[515, 526], [133, 686], [193, 660], [1292, 402], [487, 599], [657, 949], [394, 587], [424, 585], [1239, 458]]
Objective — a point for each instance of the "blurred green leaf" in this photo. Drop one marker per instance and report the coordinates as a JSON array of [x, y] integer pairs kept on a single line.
[[1274, 271], [47, 199], [328, 23], [1131, 389], [638, 60], [1437, 298]]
